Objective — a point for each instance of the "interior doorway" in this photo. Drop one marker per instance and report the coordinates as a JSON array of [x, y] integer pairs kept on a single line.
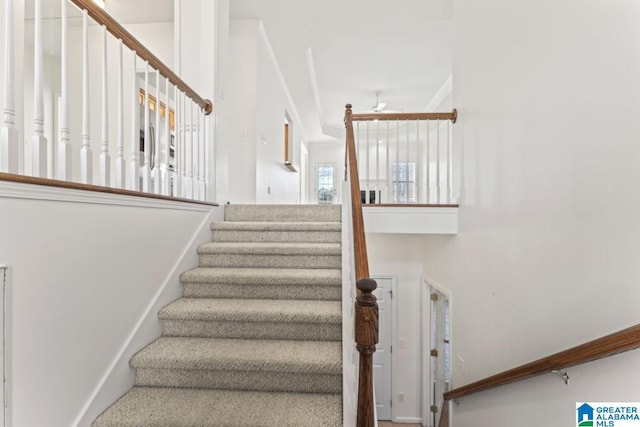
[[436, 350]]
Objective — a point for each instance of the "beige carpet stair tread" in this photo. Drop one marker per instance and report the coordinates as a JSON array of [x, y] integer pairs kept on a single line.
[[176, 407], [263, 276], [270, 248], [324, 357], [276, 226], [250, 310], [283, 213]]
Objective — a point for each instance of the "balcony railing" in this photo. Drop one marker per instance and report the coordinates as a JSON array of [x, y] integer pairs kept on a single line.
[[152, 136], [405, 158]]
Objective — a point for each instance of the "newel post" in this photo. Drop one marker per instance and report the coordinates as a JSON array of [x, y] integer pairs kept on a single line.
[[366, 317]]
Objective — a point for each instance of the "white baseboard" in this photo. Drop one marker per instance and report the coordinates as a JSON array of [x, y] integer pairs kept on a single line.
[[407, 420]]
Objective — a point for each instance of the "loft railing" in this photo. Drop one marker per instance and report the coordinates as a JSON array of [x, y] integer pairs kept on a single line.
[[405, 158], [609, 345], [167, 154]]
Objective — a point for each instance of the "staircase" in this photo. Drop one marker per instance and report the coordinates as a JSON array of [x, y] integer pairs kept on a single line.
[[255, 339]]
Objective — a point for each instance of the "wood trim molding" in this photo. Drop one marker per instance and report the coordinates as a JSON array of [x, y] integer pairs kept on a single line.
[[453, 116], [609, 345], [103, 18], [23, 179]]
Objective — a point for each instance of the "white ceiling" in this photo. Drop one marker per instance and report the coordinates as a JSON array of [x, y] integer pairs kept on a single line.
[[334, 52]]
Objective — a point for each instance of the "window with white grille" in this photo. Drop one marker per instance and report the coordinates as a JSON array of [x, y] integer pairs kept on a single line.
[[403, 182]]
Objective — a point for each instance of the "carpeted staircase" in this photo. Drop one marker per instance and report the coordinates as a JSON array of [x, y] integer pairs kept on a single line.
[[256, 338]]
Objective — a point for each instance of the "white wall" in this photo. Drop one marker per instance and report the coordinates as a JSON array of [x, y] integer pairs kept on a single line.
[[157, 37], [257, 102], [82, 276], [242, 100], [274, 182], [546, 257]]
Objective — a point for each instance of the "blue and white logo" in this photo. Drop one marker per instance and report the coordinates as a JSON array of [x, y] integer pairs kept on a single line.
[[608, 414]]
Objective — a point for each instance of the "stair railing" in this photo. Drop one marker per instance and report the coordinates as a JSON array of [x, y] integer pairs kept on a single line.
[[366, 308], [609, 345], [168, 154]]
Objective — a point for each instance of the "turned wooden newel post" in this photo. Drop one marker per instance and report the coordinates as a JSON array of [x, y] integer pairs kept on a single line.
[[366, 340]]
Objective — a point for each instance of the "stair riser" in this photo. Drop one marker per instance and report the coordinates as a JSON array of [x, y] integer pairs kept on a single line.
[[277, 236], [270, 261], [304, 292], [239, 380], [275, 213], [253, 330]]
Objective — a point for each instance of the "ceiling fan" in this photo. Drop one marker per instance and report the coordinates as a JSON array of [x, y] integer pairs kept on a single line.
[[380, 107]]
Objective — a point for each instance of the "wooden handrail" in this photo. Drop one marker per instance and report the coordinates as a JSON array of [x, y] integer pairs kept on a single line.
[[618, 342], [24, 179], [103, 18], [359, 240], [366, 309], [360, 117]]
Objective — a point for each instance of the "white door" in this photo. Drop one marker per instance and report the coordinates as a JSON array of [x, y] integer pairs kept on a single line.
[[440, 353], [326, 188], [382, 356]]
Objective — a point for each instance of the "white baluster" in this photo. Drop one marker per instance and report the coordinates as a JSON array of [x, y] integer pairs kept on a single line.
[[449, 160], [396, 187], [9, 143], [366, 187], [105, 159], [190, 183], [205, 159], [418, 183], [438, 161], [358, 142], [177, 161], [121, 164], [199, 156], [155, 162], [146, 173], [134, 165], [194, 154], [185, 150], [164, 167], [428, 180], [377, 186], [86, 158], [407, 175], [388, 169], [38, 141], [64, 147]]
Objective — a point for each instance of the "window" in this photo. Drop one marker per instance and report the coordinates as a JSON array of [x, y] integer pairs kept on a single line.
[[403, 183], [326, 183]]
